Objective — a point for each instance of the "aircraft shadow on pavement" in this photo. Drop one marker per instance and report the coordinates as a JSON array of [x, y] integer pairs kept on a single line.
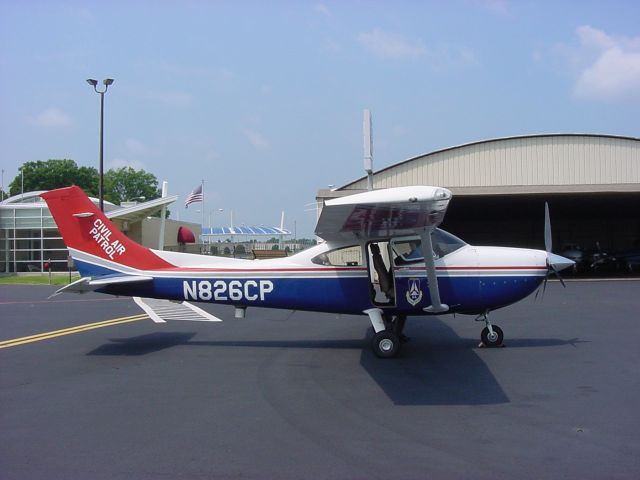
[[436, 367], [541, 342], [143, 344], [153, 342]]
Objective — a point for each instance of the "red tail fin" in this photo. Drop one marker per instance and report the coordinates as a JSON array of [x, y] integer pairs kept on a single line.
[[84, 227]]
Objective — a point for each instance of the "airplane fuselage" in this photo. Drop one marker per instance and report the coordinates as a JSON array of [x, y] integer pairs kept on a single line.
[[471, 280]]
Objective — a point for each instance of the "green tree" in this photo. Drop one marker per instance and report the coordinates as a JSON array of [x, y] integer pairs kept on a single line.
[[126, 183], [41, 175]]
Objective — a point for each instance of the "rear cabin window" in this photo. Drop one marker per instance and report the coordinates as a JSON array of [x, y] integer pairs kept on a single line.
[[341, 257]]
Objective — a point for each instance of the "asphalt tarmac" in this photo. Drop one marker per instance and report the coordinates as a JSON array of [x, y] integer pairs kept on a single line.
[[284, 395]]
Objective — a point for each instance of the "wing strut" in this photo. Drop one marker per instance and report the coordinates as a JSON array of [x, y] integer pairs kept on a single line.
[[434, 292]]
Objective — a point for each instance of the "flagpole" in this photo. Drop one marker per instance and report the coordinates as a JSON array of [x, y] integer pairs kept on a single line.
[[202, 225]]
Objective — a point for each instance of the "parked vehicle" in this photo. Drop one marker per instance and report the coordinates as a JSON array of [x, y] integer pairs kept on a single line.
[[629, 261], [598, 261]]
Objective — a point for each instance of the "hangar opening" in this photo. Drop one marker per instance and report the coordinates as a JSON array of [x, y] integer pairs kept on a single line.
[[594, 224]]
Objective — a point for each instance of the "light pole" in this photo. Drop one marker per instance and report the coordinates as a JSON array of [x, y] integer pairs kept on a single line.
[[210, 215], [94, 83]]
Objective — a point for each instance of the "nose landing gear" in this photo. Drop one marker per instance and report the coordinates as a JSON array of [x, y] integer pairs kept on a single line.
[[492, 335]]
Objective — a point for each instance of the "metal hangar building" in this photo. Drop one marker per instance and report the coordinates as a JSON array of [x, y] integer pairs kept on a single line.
[[592, 184]]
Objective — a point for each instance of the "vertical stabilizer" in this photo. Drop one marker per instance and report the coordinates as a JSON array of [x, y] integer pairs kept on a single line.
[[86, 229]]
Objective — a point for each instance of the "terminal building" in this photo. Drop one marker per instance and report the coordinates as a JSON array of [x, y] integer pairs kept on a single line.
[[499, 186]]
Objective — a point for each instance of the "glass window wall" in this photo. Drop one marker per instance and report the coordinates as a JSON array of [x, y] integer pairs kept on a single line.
[[29, 238]]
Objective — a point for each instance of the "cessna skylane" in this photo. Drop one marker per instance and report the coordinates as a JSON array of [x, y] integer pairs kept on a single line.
[[383, 256]]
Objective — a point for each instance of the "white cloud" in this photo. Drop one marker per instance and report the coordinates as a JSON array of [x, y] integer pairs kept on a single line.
[[593, 38], [391, 45], [615, 74], [440, 56], [256, 139], [51, 118], [606, 67]]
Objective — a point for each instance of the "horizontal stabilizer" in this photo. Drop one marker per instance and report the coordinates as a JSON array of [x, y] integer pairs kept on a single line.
[[162, 310], [106, 280], [88, 284]]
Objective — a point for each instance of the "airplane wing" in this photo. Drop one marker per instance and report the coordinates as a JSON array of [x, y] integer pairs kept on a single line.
[[387, 213], [383, 213]]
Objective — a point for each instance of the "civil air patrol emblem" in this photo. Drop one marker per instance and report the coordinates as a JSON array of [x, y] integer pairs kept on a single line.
[[414, 294]]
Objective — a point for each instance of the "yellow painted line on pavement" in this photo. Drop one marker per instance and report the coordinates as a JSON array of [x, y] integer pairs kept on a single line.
[[68, 331]]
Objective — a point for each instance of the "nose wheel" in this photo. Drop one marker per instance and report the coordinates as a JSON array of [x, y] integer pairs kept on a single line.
[[492, 335], [492, 338]]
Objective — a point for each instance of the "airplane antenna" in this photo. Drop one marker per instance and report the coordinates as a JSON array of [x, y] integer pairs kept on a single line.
[[368, 147]]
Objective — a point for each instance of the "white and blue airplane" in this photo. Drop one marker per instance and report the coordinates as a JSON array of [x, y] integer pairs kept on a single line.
[[370, 263]]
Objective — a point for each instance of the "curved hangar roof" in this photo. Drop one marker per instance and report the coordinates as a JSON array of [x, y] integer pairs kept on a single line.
[[561, 163]]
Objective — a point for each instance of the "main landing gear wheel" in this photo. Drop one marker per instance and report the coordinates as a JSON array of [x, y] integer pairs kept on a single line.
[[386, 344], [492, 340]]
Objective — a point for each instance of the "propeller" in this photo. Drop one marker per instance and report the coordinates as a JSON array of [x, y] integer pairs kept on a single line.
[[553, 261]]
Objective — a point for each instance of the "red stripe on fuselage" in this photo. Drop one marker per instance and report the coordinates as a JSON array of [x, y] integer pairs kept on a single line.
[[241, 270], [270, 270]]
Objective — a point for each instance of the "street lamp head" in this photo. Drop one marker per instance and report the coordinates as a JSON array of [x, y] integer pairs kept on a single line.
[[108, 81], [92, 82]]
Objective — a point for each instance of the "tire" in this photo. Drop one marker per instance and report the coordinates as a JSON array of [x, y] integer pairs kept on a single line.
[[386, 344], [496, 341]]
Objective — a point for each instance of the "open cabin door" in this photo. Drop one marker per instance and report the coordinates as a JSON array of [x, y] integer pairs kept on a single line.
[[381, 274]]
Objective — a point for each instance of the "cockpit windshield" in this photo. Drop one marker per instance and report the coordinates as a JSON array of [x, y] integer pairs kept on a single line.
[[410, 250]]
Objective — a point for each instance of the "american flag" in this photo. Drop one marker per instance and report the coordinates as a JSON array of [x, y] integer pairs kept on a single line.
[[195, 196]]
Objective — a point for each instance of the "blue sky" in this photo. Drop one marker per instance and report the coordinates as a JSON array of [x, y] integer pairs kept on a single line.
[[264, 100]]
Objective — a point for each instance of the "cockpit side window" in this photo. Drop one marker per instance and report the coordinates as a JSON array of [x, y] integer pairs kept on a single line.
[[445, 242], [410, 250], [341, 257]]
